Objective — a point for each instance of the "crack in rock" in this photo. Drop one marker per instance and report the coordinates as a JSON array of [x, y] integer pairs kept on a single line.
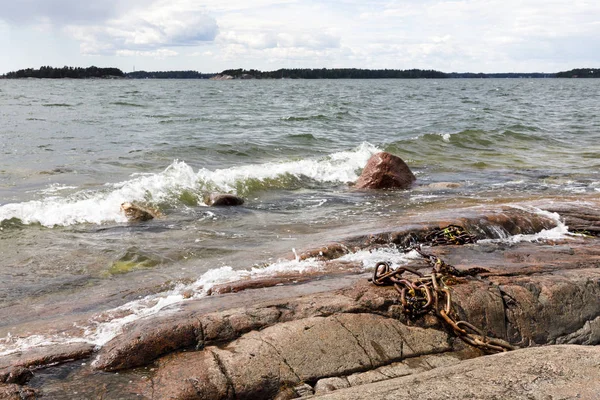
[[355, 338]]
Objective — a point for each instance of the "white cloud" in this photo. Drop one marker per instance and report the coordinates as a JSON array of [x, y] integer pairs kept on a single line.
[[449, 35], [146, 30], [159, 54]]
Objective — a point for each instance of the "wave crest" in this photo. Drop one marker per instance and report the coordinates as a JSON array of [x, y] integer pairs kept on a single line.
[[179, 179]]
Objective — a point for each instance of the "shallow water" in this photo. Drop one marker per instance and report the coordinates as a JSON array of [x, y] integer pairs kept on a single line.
[[73, 151]]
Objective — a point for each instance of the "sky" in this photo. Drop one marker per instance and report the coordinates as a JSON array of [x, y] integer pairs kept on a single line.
[[211, 36]]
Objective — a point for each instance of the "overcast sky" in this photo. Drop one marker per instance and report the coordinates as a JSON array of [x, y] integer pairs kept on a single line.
[[210, 35]]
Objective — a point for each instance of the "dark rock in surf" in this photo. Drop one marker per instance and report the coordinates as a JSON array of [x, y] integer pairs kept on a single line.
[[223, 199], [385, 171]]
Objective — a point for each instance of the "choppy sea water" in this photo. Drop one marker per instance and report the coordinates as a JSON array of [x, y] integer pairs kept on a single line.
[[73, 151]]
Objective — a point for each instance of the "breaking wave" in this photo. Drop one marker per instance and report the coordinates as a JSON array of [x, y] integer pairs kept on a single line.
[[111, 323], [180, 180]]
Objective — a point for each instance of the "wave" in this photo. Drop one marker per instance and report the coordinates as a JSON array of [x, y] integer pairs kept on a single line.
[[498, 148], [127, 104], [492, 139], [302, 136], [111, 323], [180, 180], [307, 118], [559, 232]]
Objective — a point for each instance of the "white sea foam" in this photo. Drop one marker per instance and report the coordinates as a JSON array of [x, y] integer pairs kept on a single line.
[[337, 167], [368, 259], [103, 206], [110, 324], [55, 188], [559, 232], [13, 344]]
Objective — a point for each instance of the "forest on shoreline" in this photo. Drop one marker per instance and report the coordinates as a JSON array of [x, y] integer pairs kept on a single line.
[[284, 73]]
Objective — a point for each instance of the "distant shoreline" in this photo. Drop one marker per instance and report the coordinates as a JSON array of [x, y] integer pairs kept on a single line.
[[300, 73]]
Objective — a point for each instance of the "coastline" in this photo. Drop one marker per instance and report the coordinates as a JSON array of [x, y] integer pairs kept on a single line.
[[233, 313], [96, 306]]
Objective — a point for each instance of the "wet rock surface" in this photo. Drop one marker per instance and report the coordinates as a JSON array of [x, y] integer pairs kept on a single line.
[[17, 392], [222, 200], [385, 171], [346, 336]]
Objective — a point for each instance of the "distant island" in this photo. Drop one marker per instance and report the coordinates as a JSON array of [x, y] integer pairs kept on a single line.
[[168, 75], [66, 72], [284, 73], [580, 73]]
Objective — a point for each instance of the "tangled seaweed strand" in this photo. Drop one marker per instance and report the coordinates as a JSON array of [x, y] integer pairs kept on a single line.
[[422, 294], [452, 234]]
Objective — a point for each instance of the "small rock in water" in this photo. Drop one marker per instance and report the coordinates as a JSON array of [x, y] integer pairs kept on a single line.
[[444, 185], [385, 171], [223, 199], [133, 212]]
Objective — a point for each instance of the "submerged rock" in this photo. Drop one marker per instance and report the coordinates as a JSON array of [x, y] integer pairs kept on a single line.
[[134, 212], [385, 171], [444, 185], [223, 199], [17, 392]]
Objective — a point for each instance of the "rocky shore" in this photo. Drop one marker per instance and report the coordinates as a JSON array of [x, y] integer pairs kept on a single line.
[[332, 334]]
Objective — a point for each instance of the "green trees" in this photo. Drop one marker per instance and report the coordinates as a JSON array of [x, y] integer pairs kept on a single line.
[[168, 75], [580, 73], [65, 72], [337, 73], [287, 73]]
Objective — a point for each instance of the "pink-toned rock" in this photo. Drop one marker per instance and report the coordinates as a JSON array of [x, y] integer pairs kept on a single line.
[[17, 392], [208, 381], [385, 171], [549, 372]]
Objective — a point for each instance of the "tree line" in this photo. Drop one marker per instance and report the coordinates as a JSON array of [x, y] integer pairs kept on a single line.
[[336, 73], [480, 75], [286, 73], [168, 75], [65, 72], [580, 73]]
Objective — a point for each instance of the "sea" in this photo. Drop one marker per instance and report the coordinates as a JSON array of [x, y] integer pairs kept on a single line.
[[71, 151]]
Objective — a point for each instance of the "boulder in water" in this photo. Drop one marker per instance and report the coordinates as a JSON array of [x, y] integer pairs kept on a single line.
[[223, 199], [385, 171], [134, 212]]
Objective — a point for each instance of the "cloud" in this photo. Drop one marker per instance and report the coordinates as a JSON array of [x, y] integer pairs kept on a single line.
[[57, 12], [159, 54], [270, 40], [146, 30], [111, 26], [488, 35], [298, 32]]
